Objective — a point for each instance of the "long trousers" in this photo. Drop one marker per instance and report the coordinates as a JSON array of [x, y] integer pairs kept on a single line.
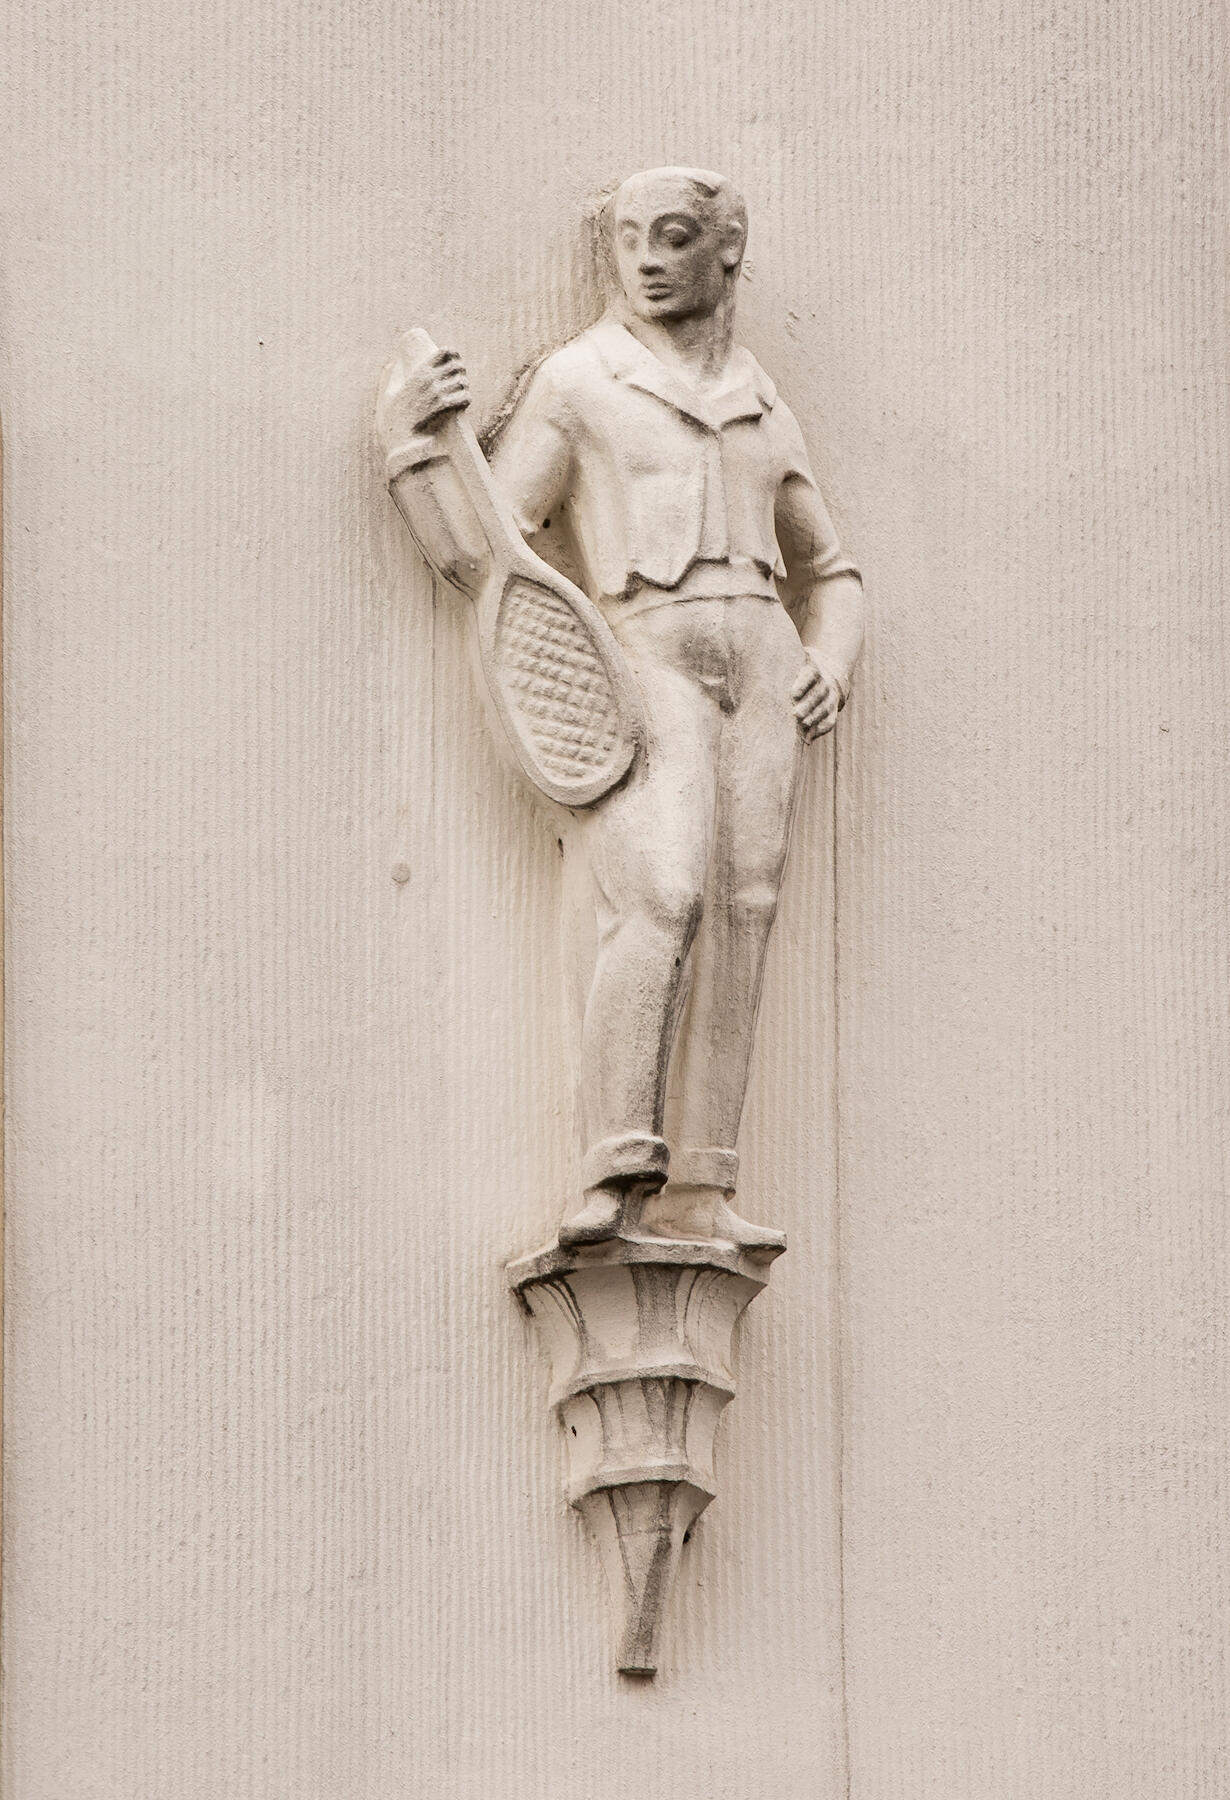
[[686, 861]]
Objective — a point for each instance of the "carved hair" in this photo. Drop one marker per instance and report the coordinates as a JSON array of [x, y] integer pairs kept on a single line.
[[719, 197]]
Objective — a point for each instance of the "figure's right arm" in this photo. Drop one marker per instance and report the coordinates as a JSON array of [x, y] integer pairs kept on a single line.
[[532, 457], [530, 465], [422, 390]]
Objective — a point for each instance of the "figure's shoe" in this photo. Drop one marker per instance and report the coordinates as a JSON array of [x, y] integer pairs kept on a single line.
[[614, 1173], [695, 1204], [599, 1217], [731, 1229]]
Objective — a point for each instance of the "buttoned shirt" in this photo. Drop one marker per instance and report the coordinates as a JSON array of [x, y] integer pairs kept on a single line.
[[672, 493]]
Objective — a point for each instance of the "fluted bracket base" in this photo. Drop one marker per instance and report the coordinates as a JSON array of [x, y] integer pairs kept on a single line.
[[639, 1333]]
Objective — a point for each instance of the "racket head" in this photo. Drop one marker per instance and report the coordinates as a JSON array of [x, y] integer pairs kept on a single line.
[[560, 684]]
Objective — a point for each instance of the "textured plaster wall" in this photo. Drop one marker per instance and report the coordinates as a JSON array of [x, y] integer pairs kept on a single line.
[[282, 1501], [1033, 918]]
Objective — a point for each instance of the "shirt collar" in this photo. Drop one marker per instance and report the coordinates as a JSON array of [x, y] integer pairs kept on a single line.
[[627, 359]]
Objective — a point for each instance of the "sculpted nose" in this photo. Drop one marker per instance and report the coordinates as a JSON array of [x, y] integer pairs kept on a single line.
[[650, 261]]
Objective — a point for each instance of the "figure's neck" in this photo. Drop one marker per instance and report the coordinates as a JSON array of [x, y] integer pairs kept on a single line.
[[698, 346]]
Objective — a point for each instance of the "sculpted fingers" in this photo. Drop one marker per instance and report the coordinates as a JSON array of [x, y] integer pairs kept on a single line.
[[449, 387], [820, 723], [810, 692], [817, 700], [448, 366], [428, 390], [809, 677], [817, 712]]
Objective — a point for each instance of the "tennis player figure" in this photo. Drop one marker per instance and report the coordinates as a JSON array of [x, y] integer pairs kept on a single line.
[[685, 483]]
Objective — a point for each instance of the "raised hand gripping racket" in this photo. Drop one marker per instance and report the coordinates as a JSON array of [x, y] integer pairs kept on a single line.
[[558, 681]]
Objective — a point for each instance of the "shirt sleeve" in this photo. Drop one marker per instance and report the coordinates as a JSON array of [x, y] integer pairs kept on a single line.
[[531, 458], [805, 532]]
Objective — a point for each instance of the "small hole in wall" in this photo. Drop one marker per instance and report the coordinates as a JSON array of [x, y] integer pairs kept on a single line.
[[687, 1537], [546, 524], [573, 1430]]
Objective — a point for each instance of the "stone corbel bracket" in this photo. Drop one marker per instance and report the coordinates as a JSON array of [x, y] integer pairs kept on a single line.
[[639, 1334]]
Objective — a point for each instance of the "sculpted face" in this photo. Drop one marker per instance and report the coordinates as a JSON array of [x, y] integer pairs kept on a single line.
[[675, 246]]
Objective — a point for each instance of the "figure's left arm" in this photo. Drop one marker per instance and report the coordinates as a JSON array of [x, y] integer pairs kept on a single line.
[[825, 597]]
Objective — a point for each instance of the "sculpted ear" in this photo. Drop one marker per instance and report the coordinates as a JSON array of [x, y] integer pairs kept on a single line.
[[734, 242]]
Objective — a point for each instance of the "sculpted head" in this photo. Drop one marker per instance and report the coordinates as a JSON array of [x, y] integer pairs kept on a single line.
[[677, 240]]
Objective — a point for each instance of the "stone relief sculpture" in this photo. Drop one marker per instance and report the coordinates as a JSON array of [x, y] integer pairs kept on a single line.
[[668, 708]]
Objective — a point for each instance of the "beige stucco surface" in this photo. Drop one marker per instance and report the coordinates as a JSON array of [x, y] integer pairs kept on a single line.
[[282, 1507]]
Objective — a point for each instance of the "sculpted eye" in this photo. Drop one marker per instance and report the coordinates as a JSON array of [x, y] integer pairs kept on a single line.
[[676, 236]]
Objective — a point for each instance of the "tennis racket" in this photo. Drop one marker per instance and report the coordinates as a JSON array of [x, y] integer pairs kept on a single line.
[[560, 687]]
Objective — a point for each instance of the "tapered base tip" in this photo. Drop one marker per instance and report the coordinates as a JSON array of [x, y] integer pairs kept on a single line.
[[640, 1528]]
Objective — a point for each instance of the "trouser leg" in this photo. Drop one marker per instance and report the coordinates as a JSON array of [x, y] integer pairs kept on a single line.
[[648, 846], [759, 762]]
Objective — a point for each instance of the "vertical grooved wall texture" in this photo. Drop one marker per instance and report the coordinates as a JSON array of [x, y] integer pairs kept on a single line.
[[1034, 942], [285, 1511], [282, 1513]]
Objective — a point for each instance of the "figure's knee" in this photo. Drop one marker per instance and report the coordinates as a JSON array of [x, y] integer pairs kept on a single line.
[[754, 902], [669, 911], [675, 909]]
